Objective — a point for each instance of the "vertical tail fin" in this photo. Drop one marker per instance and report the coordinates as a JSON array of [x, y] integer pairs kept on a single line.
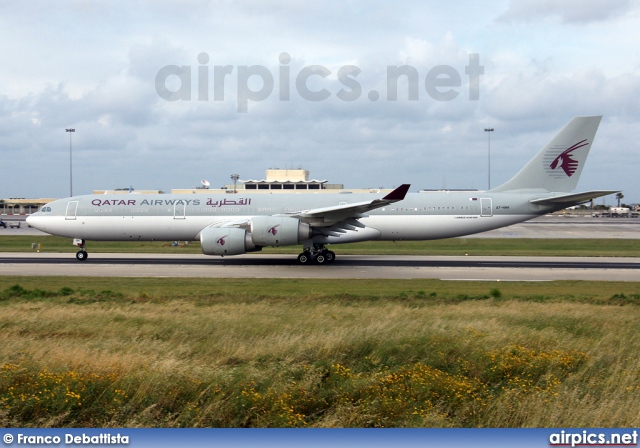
[[557, 167]]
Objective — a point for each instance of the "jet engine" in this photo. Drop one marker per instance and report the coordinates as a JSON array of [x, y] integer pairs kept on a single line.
[[264, 231], [278, 231], [226, 241]]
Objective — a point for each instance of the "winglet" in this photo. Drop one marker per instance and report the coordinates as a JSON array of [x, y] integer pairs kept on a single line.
[[398, 194]]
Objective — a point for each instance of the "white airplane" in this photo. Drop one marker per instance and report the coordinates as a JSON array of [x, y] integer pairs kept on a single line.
[[235, 224]]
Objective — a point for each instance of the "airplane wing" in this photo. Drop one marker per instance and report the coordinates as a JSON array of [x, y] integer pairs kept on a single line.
[[338, 219], [332, 220], [574, 198]]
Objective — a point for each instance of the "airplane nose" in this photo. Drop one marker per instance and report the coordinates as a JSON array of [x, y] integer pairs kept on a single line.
[[34, 221]]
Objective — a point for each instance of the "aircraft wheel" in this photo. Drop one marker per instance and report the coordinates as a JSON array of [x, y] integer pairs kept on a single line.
[[304, 258], [81, 255], [330, 256], [321, 258]]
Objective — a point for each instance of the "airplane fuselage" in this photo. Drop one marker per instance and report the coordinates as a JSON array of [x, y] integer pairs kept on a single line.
[[420, 216]]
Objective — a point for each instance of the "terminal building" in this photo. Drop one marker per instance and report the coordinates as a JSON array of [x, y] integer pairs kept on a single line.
[[22, 206], [277, 181]]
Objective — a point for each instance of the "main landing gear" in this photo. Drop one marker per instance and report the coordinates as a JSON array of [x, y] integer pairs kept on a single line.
[[82, 254], [318, 254]]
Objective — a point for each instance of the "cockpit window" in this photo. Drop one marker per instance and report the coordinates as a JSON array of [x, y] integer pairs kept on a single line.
[[45, 209]]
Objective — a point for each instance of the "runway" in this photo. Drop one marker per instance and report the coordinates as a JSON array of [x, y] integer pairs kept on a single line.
[[361, 266], [346, 266]]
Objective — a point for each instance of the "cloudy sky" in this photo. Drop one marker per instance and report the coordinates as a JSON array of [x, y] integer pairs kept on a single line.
[[292, 83]]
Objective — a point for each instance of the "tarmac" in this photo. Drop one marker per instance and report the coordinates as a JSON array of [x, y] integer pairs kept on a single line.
[[345, 266], [360, 266]]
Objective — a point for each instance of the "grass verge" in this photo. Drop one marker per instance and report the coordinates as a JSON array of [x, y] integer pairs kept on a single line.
[[254, 353], [453, 246]]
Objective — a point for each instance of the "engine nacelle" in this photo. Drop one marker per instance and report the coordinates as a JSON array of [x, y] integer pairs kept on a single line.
[[278, 231], [226, 241]]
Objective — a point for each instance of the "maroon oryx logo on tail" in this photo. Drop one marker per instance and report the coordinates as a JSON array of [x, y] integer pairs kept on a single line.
[[273, 230], [568, 165]]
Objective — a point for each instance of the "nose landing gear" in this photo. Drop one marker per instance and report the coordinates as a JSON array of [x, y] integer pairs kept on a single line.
[[82, 254]]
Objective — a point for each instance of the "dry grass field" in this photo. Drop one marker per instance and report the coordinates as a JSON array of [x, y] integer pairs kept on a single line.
[[274, 353]]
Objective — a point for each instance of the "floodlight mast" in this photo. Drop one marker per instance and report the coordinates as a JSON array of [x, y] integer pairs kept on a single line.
[[489, 131], [70, 130]]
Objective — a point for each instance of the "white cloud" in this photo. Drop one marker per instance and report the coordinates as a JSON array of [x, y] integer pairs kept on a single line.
[[569, 11], [99, 77], [551, 97]]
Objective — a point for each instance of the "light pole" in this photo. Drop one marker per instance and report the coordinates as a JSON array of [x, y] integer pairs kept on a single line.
[[489, 131], [70, 130]]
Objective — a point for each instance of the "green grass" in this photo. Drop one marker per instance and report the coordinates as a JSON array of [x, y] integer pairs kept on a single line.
[[322, 289], [252, 353], [454, 246]]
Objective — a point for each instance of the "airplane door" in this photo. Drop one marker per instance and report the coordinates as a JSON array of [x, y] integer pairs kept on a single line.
[[72, 209], [179, 210], [485, 207]]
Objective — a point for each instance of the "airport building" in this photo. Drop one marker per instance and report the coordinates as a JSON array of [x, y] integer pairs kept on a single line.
[[22, 206], [277, 181], [127, 190]]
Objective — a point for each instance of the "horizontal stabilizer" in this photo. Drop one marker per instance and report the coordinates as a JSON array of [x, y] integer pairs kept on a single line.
[[575, 198]]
